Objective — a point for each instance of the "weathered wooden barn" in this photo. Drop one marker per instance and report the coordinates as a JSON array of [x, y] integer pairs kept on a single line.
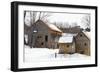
[[46, 35], [43, 35], [75, 43], [67, 44], [82, 42]]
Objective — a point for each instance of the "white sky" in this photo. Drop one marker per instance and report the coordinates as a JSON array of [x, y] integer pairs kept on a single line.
[[61, 17]]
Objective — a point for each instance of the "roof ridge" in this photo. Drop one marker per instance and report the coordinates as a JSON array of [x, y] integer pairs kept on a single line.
[[53, 27]]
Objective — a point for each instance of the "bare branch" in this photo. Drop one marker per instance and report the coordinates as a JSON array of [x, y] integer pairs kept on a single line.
[[44, 16], [86, 21]]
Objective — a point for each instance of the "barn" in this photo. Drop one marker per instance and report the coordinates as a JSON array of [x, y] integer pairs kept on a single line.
[[75, 43], [82, 41], [44, 35], [67, 43]]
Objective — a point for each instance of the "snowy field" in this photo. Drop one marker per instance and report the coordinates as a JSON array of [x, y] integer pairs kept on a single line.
[[48, 55]]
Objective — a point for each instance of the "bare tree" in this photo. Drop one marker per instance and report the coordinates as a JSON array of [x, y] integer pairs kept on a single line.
[[62, 25], [86, 21], [33, 17], [28, 22], [65, 25], [74, 24], [58, 24], [55, 23], [24, 28], [44, 16], [24, 14]]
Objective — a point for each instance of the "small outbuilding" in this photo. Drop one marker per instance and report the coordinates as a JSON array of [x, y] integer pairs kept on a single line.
[[82, 41], [66, 44]]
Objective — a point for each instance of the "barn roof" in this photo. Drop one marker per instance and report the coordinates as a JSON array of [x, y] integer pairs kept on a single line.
[[88, 34], [66, 38], [51, 26], [69, 34]]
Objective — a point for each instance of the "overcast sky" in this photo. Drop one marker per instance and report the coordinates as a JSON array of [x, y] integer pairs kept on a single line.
[[61, 17]]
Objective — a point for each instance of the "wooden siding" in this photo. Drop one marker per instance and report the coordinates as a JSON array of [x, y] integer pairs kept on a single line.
[[38, 39], [82, 44], [67, 48]]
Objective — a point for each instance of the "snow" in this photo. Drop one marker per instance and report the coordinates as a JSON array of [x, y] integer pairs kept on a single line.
[[53, 27], [69, 34], [36, 54], [27, 19], [33, 55], [65, 39], [88, 34], [26, 38]]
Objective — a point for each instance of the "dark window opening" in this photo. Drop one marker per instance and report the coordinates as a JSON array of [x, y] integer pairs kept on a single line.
[[57, 46], [46, 38], [42, 43], [85, 44], [81, 52], [67, 45], [80, 35], [39, 37]]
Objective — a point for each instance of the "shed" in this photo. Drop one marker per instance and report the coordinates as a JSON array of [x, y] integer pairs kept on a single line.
[[82, 41], [66, 43]]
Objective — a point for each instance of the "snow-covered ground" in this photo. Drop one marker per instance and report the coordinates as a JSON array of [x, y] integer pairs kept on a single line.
[[48, 55]]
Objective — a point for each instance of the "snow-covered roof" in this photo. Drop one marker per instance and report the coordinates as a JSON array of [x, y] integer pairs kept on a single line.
[[69, 34], [53, 27], [65, 39], [88, 34]]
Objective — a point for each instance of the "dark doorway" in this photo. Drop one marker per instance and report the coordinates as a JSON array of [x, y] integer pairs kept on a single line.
[[81, 52], [42, 43], [46, 38]]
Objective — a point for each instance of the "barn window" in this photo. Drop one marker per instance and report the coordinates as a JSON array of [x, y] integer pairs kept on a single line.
[[80, 35], [39, 37], [67, 45], [85, 44], [81, 52], [46, 38], [42, 43]]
